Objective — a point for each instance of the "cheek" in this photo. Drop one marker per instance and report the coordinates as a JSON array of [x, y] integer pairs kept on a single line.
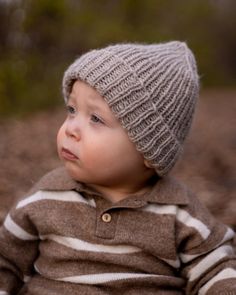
[[129, 155], [110, 153], [95, 151], [60, 136]]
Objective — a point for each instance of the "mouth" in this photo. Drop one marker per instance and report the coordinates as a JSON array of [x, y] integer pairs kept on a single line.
[[68, 155]]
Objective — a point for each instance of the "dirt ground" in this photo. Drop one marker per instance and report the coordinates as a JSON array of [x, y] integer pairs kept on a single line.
[[28, 150]]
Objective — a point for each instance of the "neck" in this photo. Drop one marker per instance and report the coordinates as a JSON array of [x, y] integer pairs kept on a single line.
[[119, 193]]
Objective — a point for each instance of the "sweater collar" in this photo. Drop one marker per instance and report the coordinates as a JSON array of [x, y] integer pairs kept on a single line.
[[166, 190]]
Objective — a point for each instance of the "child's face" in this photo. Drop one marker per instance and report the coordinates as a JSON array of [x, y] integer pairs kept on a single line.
[[92, 143]]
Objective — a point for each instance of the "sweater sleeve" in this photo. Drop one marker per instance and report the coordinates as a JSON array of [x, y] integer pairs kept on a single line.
[[205, 249], [18, 250]]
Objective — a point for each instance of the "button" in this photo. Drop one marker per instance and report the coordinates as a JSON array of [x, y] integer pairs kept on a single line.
[[106, 217]]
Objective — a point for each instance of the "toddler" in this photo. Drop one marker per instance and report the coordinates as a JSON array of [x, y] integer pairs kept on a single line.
[[111, 220]]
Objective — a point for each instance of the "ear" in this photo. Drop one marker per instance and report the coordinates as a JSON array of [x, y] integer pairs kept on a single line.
[[147, 164]]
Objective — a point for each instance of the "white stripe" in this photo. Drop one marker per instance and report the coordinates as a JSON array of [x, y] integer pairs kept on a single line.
[[17, 231], [174, 263], [182, 215], [81, 245], [3, 293], [209, 261], [161, 209], [227, 273], [68, 196], [228, 235], [104, 278], [188, 257], [190, 221]]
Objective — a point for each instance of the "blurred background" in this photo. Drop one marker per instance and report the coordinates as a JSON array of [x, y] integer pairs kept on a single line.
[[39, 39]]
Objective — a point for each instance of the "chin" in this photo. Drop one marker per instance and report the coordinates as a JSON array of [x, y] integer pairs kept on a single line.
[[73, 171], [77, 174]]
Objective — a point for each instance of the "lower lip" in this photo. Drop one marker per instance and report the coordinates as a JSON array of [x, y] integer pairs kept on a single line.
[[68, 156]]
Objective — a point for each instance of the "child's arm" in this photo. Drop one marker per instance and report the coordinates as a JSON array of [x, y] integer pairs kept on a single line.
[[18, 250], [206, 252]]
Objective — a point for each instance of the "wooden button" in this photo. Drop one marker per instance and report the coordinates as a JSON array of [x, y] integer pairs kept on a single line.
[[106, 217]]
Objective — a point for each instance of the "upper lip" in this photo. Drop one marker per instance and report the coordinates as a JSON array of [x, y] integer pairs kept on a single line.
[[67, 151]]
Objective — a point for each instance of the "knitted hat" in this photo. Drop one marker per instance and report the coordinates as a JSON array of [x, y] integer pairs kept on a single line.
[[151, 89]]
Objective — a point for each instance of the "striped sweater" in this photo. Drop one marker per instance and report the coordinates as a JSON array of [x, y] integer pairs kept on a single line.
[[64, 238]]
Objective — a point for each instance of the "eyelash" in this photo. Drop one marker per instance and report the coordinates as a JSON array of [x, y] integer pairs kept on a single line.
[[94, 118], [70, 109]]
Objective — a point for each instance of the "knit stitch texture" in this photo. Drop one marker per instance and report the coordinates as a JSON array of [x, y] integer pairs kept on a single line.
[[151, 89]]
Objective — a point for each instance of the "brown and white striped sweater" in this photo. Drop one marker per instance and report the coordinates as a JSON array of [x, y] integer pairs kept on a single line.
[[66, 239]]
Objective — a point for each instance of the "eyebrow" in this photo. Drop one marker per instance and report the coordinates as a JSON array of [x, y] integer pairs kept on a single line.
[[71, 97]]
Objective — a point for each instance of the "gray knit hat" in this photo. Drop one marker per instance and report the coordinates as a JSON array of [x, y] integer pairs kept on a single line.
[[151, 89]]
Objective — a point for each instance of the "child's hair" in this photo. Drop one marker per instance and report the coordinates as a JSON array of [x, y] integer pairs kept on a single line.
[[151, 89]]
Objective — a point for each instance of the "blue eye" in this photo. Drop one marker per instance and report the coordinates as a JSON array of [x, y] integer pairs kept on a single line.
[[70, 109], [96, 119]]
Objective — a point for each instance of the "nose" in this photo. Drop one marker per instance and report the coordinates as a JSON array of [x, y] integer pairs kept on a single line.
[[72, 129]]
